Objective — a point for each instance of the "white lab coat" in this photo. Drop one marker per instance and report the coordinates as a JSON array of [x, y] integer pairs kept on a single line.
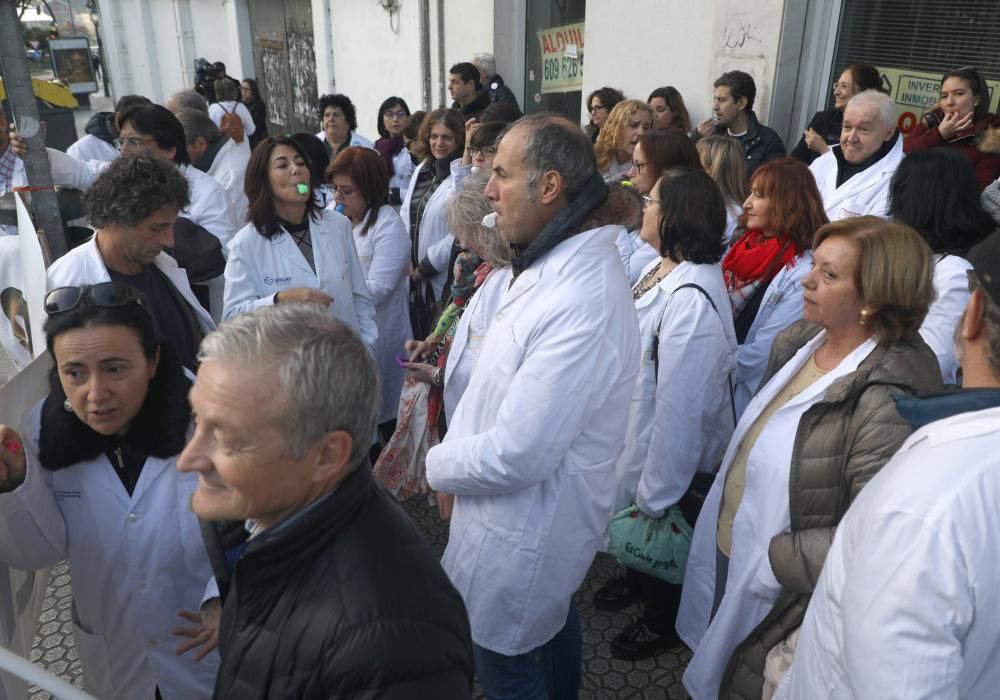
[[906, 606], [217, 110], [209, 207], [403, 168], [951, 283], [469, 334], [781, 307], [433, 228], [89, 147], [384, 253], [356, 140], [865, 193], [229, 169], [751, 588], [135, 561], [635, 253], [531, 451], [690, 397], [84, 265], [259, 267]]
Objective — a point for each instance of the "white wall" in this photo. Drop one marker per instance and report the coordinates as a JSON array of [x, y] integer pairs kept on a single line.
[[681, 43]]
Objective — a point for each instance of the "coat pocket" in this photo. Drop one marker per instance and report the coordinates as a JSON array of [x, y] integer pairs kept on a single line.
[[95, 659]]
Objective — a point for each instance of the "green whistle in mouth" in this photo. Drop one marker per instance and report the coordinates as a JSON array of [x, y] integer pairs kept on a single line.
[[302, 188]]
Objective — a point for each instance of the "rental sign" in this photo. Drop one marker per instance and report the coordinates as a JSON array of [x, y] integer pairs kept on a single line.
[[562, 58]]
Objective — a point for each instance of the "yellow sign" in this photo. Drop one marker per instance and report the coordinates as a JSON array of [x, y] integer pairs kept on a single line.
[[917, 92], [562, 58]]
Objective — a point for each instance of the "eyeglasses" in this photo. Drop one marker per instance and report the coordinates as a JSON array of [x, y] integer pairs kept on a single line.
[[107, 295], [597, 108], [639, 166], [131, 141], [485, 151], [647, 200], [346, 191], [400, 114]]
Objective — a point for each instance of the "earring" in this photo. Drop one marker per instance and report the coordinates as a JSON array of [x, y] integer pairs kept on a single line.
[[863, 321], [68, 406]]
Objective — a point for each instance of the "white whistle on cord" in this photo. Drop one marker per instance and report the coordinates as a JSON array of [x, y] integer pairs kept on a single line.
[[490, 220]]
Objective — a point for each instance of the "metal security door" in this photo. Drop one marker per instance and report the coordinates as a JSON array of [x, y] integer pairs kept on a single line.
[[285, 63]]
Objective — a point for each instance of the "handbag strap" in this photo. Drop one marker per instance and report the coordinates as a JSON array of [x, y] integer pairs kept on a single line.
[[656, 342]]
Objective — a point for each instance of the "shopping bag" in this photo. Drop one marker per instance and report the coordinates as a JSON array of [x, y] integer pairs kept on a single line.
[[400, 466], [655, 546]]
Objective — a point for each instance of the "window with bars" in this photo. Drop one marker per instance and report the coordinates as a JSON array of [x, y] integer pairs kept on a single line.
[[914, 42]]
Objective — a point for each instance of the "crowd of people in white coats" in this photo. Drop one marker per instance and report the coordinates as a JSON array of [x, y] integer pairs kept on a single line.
[[787, 366]]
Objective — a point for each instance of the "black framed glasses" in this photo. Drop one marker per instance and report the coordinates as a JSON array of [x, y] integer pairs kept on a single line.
[[485, 151], [107, 295]]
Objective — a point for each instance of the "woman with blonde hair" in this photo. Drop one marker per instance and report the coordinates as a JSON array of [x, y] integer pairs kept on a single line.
[[822, 425], [626, 124], [723, 158]]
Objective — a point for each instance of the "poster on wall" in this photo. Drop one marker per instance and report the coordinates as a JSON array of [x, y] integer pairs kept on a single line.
[[562, 58], [917, 92], [72, 63]]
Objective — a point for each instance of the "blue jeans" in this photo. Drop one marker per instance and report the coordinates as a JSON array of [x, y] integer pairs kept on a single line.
[[549, 672]]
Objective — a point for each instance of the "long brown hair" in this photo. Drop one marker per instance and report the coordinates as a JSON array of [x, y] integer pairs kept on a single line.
[[611, 133], [796, 206], [367, 169], [257, 187]]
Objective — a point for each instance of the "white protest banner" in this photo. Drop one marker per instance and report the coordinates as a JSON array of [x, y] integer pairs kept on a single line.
[[33, 268]]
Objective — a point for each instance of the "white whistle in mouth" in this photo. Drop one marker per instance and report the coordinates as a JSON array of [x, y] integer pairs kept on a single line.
[[474, 170], [490, 220]]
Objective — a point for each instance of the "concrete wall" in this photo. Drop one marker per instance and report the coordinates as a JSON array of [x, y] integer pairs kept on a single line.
[[684, 44]]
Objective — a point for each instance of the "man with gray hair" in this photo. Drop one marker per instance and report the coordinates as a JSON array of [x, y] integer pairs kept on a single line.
[[854, 176], [530, 453], [492, 83], [186, 99], [215, 153], [336, 593], [906, 605]]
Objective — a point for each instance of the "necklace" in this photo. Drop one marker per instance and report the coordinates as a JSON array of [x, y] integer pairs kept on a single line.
[[650, 280]]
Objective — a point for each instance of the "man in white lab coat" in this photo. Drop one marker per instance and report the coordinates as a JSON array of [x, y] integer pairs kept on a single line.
[[530, 454], [854, 176], [906, 606], [215, 153]]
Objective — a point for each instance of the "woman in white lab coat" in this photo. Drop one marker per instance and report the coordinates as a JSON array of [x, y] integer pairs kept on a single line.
[[819, 429], [934, 191], [689, 348], [292, 250], [91, 478], [441, 140], [359, 182]]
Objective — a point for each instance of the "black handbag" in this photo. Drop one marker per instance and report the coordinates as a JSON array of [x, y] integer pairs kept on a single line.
[[197, 251]]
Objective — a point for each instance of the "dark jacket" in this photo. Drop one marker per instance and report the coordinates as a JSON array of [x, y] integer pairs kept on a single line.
[[980, 144], [258, 112], [499, 92], [827, 124], [760, 143], [474, 108], [345, 599], [841, 443], [102, 125]]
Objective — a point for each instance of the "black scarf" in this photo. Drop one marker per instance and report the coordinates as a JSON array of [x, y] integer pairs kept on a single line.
[[159, 430], [593, 194], [845, 170]]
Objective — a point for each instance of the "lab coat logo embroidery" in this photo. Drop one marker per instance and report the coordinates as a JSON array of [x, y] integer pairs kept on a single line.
[[277, 280]]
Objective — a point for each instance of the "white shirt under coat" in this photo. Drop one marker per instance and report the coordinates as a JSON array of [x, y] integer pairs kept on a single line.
[[951, 285], [209, 207], [751, 587], [865, 193], [532, 448], [217, 110], [384, 254], [90, 147], [690, 397], [433, 228], [84, 265], [356, 140], [259, 267], [135, 562], [780, 308], [403, 167], [906, 605]]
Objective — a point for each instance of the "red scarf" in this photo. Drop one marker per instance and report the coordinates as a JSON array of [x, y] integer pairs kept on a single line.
[[754, 260]]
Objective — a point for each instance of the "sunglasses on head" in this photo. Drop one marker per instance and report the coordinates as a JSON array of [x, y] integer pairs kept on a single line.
[[106, 295]]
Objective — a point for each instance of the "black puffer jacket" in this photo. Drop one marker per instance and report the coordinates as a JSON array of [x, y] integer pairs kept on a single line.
[[344, 600]]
